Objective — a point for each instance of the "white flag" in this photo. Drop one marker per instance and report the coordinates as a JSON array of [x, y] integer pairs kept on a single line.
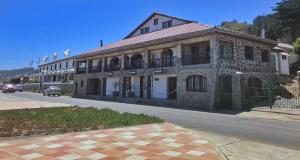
[[46, 58], [54, 56], [67, 53]]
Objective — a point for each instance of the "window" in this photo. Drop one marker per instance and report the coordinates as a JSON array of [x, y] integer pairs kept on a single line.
[[145, 30], [283, 56], [73, 63], [81, 83], [249, 52], [59, 65], [55, 66], [167, 24], [226, 50], [155, 21], [196, 83], [67, 64], [47, 68], [51, 67], [265, 55]]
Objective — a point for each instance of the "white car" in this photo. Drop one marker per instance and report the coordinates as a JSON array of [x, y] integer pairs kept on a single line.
[[52, 90]]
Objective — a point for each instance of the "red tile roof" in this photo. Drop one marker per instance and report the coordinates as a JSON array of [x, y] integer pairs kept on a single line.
[[169, 32], [189, 30]]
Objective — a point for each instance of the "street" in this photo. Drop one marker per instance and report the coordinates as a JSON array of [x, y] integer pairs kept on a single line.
[[285, 134]]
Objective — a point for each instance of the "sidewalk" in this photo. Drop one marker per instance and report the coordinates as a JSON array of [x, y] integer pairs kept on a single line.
[[273, 114], [232, 148], [153, 141]]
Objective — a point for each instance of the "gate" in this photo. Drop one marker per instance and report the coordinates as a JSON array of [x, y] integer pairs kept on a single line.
[[279, 95]]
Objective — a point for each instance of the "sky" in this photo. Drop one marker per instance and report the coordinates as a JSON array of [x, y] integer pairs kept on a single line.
[[32, 29]]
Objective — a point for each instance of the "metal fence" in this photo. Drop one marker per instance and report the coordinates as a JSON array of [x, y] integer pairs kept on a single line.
[[274, 95]]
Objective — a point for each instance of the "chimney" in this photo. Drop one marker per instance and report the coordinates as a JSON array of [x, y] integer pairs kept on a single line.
[[263, 32], [101, 43]]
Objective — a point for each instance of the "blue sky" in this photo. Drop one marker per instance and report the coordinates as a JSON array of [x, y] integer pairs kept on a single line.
[[34, 28]]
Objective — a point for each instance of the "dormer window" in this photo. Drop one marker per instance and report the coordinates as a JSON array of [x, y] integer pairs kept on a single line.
[[155, 21], [145, 30], [167, 24]]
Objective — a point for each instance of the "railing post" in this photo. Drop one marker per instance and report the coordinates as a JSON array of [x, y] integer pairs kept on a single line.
[[270, 94]]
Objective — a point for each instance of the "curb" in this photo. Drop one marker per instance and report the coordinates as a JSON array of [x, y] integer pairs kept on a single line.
[[270, 111]]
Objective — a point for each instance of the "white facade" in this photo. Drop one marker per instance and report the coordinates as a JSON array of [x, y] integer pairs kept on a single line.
[[160, 86], [57, 70], [155, 27], [282, 62], [112, 84]]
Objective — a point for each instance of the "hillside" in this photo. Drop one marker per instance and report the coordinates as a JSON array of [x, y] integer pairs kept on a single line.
[[4, 74]]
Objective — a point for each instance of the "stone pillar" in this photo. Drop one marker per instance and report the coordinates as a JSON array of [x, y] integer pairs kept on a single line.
[[215, 65], [237, 91], [122, 61], [121, 86], [178, 54], [145, 96], [103, 64], [145, 59], [87, 66]]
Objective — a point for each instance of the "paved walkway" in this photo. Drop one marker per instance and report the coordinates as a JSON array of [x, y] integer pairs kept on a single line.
[[155, 141]]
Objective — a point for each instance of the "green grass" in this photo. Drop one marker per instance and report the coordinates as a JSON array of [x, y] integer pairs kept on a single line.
[[55, 120]]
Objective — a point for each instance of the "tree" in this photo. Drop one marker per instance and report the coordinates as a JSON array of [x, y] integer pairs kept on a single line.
[[289, 14], [297, 46], [237, 26], [15, 80], [274, 28]]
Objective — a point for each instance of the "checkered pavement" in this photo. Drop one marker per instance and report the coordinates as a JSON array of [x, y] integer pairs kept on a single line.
[[154, 141]]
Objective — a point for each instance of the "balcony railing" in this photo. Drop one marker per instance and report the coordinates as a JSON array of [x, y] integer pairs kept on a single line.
[[95, 69], [113, 67], [191, 59], [81, 70], [135, 65], [162, 62]]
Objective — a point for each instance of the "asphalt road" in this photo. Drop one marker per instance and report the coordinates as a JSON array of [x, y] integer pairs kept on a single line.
[[286, 134]]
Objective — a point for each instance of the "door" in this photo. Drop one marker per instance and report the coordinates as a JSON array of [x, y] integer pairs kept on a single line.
[[172, 91], [225, 97]]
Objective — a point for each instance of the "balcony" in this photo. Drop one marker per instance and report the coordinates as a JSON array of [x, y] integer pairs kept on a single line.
[[192, 59], [162, 62], [95, 69], [113, 67], [135, 65], [81, 70]]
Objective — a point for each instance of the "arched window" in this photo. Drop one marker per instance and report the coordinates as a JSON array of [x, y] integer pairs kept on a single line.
[[137, 61], [254, 82], [167, 57], [196, 83]]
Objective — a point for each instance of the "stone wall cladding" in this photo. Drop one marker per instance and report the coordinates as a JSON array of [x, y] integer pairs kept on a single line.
[[240, 63]]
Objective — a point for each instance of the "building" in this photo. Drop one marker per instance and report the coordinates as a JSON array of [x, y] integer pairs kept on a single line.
[[172, 60], [57, 71], [284, 56]]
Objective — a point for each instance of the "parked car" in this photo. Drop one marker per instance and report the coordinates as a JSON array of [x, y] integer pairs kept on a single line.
[[20, 87], [9, 88], [52, 90], [1, 86]]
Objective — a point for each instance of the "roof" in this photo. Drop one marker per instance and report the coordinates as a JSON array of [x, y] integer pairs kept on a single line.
[[56, 61], [151, 16], [180, 32], [285, 45]]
